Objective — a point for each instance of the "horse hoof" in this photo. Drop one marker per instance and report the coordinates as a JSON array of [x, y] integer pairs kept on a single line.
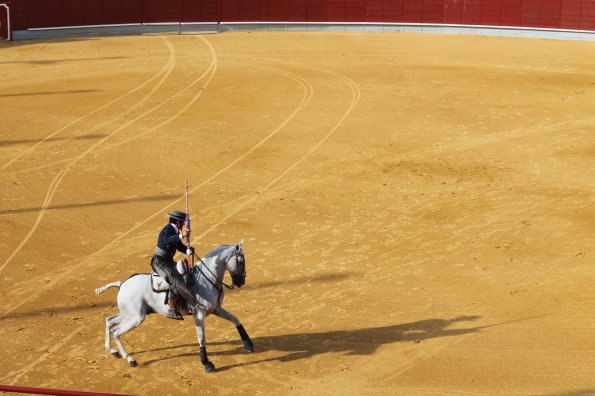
[[209, 367], [249, 347], [133, 363]]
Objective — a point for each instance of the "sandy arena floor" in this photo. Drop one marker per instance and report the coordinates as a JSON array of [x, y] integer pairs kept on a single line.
[[418, 210]]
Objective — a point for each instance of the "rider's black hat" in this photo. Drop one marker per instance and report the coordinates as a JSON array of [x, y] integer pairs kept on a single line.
[[178, 215]]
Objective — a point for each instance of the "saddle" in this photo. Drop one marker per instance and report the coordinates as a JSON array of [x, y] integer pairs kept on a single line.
[[161, 285]]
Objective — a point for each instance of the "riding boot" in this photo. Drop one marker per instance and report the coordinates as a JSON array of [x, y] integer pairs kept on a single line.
[[183, 290], [172, 301], [174, 312]]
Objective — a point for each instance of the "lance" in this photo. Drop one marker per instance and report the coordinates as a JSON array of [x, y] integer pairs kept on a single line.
[[188, 251]]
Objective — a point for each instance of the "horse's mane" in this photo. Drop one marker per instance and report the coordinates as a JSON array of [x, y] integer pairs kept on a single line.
[[217, 251]]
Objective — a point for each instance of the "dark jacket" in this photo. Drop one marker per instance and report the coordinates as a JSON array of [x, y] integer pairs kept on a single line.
[[169, 241]]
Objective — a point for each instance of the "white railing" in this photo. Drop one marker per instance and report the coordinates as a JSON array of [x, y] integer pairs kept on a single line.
[[8, 19], [210, 27]]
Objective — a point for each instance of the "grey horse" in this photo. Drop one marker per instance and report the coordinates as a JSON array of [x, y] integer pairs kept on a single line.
[[136, 299]]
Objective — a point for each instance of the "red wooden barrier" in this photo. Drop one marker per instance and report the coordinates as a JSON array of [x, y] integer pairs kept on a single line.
[[557, 14], [58, 392]]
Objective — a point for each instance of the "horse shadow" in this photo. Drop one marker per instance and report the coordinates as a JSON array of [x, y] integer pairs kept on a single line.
[[350, 342], [51, 311]]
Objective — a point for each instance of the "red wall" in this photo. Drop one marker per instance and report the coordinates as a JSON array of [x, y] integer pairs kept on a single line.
[[48, 13], [564, 14]]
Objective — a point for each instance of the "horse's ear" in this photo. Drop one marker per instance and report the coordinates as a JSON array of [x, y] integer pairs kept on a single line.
[[240, 245]]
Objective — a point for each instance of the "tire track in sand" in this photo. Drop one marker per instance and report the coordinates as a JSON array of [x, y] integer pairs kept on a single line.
[[356, 95], [167, 69], [302, 82], [21, 372], [308, 93], [62, 173], [306, 97]]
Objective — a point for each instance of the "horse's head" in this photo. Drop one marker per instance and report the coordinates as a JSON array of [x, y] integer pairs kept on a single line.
[[236, 265]]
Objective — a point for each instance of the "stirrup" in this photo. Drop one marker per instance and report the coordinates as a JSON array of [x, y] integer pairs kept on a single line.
[[175, 314], [189, 309]]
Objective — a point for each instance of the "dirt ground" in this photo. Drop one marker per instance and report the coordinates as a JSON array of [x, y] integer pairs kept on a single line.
[[418, 210]]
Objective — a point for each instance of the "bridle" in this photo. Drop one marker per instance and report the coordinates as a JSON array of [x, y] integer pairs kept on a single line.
[[218, 282]]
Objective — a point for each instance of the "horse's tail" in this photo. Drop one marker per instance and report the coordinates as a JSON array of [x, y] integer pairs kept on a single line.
[[109, 285]]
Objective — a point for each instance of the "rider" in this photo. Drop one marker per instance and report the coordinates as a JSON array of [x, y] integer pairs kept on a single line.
[[163, 263]]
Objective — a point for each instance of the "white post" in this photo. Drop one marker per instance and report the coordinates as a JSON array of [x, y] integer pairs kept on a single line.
[[8, 18]]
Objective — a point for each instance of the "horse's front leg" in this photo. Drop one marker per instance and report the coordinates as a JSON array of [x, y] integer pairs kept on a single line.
[[199, 319], [224, 314]]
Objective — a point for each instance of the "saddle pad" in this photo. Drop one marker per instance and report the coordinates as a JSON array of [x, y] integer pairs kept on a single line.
[[158, 283]]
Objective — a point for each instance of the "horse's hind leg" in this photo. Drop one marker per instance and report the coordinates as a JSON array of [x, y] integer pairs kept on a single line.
[[124, 327], [110, 322], [223, 314]]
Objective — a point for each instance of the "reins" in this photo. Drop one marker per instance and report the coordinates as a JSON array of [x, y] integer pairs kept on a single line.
[[220, 282]]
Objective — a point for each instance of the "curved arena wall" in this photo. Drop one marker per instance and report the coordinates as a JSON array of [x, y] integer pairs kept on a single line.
[[577, 15]]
